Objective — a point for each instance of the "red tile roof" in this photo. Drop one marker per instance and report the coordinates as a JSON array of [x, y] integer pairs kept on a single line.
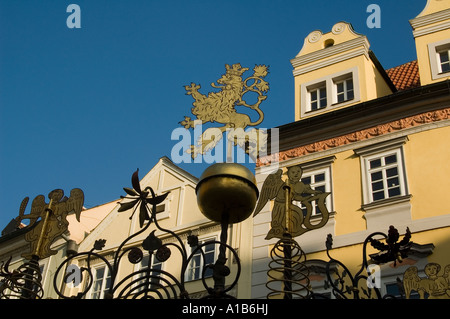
[[405, 76]]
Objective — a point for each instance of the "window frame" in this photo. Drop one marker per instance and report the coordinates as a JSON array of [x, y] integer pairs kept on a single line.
[[141, 265], [382, 150], [434, 50], [345, 93], [329, 82], [189, 276], [439, 61], [318, 89], [104, 284], [385, 178], [326, 171]]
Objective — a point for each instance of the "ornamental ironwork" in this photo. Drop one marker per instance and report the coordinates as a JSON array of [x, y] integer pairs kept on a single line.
[[226, 194], [150, 282], [361, 285], [288, 217], [53, 219], [288, 273]]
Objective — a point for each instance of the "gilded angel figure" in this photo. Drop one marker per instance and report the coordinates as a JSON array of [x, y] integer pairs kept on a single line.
[[274, 188]]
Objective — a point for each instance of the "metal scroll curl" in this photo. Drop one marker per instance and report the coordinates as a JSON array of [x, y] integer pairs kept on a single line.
[[21, 283], [288, 272]]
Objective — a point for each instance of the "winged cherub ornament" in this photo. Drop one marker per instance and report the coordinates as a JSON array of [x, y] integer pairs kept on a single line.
[[287, 217], [434, 286], [48, 221]]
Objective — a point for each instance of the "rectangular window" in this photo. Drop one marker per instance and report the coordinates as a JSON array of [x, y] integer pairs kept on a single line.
[[344, 90], [439, 58], [385, 175], [154, 276], [102, 282], [383, 171], [318, 98], [317, 182], [444, 61], [318, 179], [201, 258], [330, 91]]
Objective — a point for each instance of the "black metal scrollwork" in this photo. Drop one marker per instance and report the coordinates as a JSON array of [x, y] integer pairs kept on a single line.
[[345, 285], [150, 282], [21, 283]]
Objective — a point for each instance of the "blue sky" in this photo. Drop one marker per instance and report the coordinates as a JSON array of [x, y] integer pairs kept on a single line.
[[85, 107]]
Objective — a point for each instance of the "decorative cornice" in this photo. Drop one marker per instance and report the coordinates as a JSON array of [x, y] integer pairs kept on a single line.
[[381, 129], [378, 147], [432, 29], [331, 51], [429, 19], [331, 61]]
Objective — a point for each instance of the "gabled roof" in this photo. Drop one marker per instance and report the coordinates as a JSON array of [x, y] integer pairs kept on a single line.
[[158, 182], [405, 76]]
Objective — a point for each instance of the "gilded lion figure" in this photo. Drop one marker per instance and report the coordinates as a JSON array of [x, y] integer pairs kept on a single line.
[[220, 107]]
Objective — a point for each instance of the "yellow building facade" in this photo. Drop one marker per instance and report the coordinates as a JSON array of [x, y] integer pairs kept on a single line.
[[377, 141]]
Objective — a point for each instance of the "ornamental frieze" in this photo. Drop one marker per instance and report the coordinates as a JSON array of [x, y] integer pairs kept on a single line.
[[381, 129]]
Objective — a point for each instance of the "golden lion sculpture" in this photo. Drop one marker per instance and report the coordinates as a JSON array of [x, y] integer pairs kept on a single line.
[[220, 107]]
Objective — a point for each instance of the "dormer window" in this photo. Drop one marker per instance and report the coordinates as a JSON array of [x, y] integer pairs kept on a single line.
[[344, 89], [317, 97], [329, 92]]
